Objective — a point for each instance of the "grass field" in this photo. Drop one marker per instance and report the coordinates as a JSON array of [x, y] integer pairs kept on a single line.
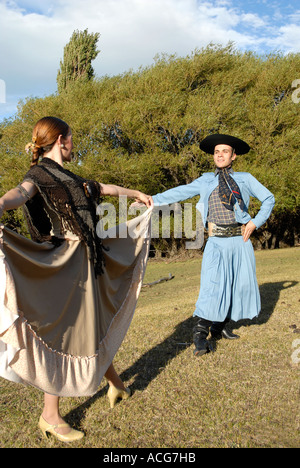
[[246, 394]]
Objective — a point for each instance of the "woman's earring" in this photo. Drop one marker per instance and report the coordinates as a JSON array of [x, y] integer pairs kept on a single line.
[[62, 146]]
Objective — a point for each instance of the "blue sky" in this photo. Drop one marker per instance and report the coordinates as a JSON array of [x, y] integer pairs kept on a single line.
[[33, 34]]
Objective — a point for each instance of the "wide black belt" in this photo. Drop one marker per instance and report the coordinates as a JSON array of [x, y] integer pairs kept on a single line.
[[215, 230]]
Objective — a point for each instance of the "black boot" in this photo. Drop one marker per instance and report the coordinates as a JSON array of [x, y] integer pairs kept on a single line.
[[200, 333], [218, 330]]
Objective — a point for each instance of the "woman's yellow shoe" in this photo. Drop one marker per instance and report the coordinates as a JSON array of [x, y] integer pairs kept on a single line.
[[115, 393], [71, 436]]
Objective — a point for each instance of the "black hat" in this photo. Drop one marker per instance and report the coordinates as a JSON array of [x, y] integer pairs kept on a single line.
[[209, 143]]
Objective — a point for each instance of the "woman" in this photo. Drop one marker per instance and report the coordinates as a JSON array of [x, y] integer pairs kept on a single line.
[[67, 299]]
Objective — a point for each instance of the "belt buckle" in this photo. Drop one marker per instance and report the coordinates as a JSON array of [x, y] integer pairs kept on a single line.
[[220, 231], [223, 231], [229, 231]]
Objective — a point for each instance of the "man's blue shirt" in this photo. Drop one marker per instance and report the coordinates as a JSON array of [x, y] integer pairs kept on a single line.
[[204, 185]]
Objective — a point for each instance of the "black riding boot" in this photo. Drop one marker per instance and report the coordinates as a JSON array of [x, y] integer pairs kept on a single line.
[[200, 333], [218, 330]]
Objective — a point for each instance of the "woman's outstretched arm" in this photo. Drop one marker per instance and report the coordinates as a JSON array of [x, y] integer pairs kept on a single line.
[[116, 191]]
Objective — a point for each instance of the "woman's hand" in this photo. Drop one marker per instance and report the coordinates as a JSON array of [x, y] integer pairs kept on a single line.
[[248, 229], [146, 199]]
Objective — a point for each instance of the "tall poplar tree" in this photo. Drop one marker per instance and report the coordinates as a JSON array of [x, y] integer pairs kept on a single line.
[[77, 61]]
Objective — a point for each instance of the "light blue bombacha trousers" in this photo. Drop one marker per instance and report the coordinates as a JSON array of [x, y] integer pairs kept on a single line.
[[228, 286]]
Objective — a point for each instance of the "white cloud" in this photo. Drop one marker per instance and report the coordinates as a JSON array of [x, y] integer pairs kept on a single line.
[[289, 36], [34, 33], [253, 20]]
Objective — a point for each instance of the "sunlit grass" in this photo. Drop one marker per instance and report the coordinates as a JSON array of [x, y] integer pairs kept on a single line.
[[246, 394]]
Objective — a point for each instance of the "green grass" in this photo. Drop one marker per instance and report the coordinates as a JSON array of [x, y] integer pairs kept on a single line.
[[246, 394]]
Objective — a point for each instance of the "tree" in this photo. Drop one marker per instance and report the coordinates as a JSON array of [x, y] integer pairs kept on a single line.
[[142, 129], [78, 55]]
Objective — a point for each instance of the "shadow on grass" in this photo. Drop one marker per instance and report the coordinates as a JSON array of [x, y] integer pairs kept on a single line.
[[146, 368], [269, 293], [154, 361]]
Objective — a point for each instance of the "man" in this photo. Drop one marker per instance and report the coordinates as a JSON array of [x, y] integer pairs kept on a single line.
[[228, 288]]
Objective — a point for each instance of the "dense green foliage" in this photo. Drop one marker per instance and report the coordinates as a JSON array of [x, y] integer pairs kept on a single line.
[[78, 56], [142, 129]]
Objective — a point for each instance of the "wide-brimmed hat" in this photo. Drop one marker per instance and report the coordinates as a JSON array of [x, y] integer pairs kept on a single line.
[[209, 143]]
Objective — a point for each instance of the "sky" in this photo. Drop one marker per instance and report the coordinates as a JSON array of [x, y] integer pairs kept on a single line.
[[33, 34]]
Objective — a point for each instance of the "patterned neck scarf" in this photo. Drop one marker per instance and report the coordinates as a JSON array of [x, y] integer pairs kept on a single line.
[[229, 190]]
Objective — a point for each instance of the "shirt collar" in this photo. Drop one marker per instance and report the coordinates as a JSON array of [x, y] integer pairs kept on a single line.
[[217, 171]]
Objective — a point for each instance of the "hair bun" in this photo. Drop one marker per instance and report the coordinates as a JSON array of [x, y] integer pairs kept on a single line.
[[29, 147]]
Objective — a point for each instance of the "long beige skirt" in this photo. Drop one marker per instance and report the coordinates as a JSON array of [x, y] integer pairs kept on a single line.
[[60, 326]]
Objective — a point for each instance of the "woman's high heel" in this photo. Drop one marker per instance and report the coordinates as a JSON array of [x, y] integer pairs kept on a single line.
[[115, 393], [51, 428]]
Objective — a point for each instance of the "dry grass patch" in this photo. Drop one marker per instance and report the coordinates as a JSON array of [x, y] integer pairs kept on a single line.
[[246, 394]]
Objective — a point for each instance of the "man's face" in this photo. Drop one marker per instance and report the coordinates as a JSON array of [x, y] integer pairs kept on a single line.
[[223, 156]]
